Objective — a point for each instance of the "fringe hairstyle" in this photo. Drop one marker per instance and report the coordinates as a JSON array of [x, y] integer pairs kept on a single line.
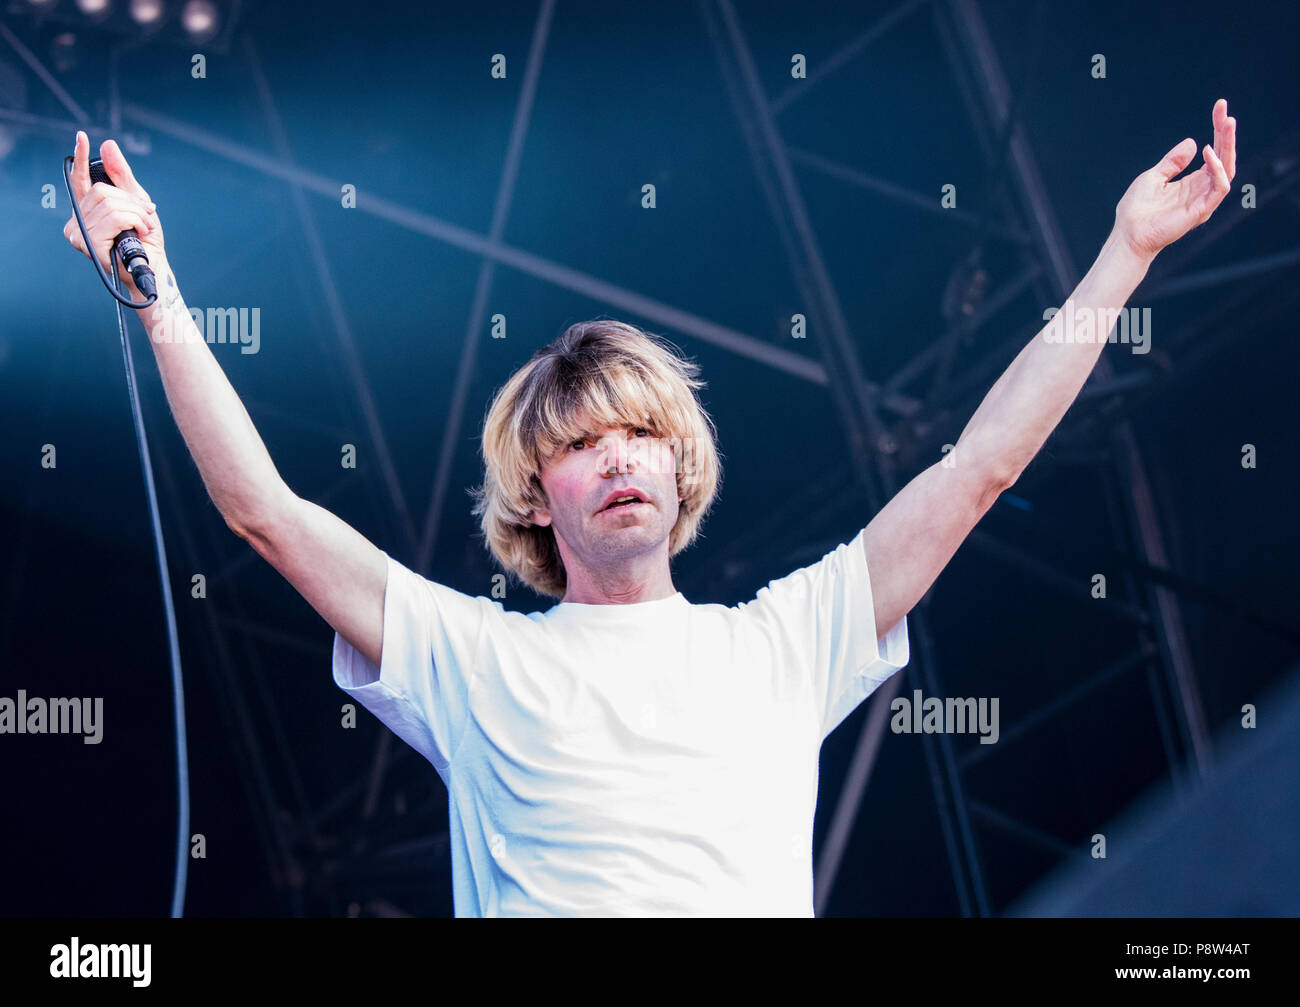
[[622, 376]]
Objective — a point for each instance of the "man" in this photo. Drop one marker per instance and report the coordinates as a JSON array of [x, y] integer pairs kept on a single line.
[[627, 751]]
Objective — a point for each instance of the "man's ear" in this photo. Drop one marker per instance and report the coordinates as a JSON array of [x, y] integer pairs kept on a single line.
[[539, 515]]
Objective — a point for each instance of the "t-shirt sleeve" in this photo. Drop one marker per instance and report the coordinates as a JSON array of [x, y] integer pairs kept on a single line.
[[432, 640], [823, 620]]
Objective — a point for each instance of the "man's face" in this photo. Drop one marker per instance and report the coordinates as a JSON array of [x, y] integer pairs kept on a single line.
[[581, 476]]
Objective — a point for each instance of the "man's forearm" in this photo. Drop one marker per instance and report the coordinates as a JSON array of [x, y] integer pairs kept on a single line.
[[238, 472], [1027, 402]]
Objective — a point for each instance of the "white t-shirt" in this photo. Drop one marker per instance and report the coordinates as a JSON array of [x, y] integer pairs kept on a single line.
[[651, 759]]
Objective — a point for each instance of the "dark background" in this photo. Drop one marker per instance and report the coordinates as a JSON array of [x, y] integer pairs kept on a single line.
[[398, 100]]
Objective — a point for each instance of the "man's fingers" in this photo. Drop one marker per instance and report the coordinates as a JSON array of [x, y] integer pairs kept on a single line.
[[73, 233], [81, 166], [1177, 159], [106, 209], [1225, 137], [119, 171], [103, 194], [118, 217], [1229, 155], [106, 224], [125, 219], [1218, 172]]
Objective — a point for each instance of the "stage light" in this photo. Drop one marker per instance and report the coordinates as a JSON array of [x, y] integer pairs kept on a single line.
[[185, 23], [146, 11], [199, 17]]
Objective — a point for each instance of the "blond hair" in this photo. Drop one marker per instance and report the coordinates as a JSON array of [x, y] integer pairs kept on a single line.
[[622, 376]]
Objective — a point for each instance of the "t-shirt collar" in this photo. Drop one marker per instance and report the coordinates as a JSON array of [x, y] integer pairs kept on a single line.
[[598, 611]]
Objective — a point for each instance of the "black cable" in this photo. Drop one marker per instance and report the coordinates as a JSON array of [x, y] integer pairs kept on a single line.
[[178, 695]]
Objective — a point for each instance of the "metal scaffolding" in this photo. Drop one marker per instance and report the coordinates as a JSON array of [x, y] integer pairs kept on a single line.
[[318, 852]]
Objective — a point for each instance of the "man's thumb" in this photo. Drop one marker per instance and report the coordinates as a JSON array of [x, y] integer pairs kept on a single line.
[[1177, 159]]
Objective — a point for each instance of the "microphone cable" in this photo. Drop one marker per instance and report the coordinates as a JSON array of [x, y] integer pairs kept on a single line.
[[178, 695]]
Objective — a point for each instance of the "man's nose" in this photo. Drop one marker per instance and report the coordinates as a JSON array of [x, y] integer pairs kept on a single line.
[[616, 453]]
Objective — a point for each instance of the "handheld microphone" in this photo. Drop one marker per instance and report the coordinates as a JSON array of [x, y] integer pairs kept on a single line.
[[128, 244]]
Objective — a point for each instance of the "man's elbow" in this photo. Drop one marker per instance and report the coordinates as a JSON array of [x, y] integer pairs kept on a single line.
[[999, 480], [257, 530], [247, 532], [991, 468]]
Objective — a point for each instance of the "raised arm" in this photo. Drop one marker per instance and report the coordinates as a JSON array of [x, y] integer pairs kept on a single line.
[[340, 574], [915, 535]]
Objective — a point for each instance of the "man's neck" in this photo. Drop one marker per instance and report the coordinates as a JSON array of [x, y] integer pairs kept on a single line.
[[588, 590]]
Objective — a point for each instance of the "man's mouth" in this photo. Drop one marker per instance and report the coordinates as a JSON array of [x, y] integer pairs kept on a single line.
[[625, 502]]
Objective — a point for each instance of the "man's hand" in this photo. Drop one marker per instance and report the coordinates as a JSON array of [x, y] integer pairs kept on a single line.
[[108, 210], [1156, 211]]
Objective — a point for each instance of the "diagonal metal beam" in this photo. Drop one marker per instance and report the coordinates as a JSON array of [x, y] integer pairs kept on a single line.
[[660, 313], [842, 56], [353, 791], [1136, 659], [1018, 828], [374, 783], [804, 506], [473, 331], [315, 646], [852, 791], [1242, 309], [49, 80], [834, 340], [855, 176], [1225, 604], [1225, 274], [333, 302], [987, 309], [1070, 586], [62, 128], [992, 143]]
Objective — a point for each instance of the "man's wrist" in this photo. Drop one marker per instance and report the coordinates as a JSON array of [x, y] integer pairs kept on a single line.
[[165, 311], [1118, 253]]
